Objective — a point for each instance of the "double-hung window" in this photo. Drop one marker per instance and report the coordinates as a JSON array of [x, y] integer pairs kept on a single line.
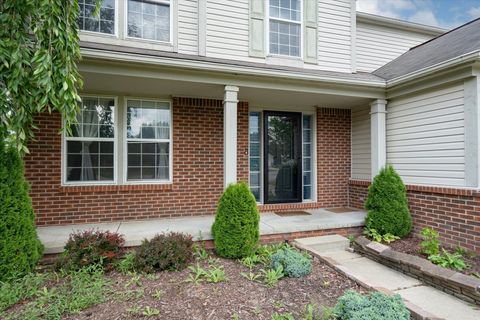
[[149, 19], [148, 140], [285, 25], [89, 147], [103, 22]]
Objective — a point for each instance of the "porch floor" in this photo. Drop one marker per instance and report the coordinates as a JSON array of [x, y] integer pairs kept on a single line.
[[55, 237]]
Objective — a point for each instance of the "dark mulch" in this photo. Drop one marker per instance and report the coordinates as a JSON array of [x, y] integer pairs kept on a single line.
[[411, 245], [238, 295]]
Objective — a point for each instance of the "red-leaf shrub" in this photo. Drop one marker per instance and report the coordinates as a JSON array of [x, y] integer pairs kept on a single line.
[[91, 247]]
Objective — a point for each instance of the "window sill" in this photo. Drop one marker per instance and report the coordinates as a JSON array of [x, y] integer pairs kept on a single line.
[[115, 187], [295, 62]]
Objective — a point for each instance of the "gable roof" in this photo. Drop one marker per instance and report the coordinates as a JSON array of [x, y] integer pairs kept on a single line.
[[457, 42]]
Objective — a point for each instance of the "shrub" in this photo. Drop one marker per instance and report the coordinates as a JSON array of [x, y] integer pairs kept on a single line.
[[171, 251], [387, 204], [375, 306], [294, 263], [236, 227], [430, 244], [91, 247], [20, 248]]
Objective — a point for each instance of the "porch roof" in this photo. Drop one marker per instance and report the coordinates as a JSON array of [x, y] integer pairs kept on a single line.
[[55, 237]]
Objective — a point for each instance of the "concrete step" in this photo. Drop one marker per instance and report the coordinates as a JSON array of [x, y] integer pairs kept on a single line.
[[325, 243]]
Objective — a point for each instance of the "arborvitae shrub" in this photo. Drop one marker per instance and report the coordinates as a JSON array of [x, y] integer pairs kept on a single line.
[[91, 247], [171, 251], [236, 227], [387, 204], [20, 248]]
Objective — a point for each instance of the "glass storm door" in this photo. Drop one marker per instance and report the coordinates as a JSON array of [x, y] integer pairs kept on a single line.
[[282, 157]]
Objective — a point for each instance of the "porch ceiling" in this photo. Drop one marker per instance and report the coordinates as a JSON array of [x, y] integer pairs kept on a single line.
[[274, 94]]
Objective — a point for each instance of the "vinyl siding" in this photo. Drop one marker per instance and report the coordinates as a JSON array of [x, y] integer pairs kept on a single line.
[[378, 45], [426, 137], [188, 26], [334, 35], [227, 29], [361, 155]]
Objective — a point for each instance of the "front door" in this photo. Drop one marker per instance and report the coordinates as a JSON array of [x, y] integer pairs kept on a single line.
[[282, 157]]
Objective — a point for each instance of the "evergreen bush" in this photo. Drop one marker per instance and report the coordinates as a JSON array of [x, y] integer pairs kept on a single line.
[[236, 227], [20, 248], [294, 263], [375, 306], [387, 204]]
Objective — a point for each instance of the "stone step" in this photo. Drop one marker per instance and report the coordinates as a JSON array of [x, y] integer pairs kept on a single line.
[[325, 243]]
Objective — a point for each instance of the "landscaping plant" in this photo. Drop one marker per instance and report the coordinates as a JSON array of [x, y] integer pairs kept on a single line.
[[294, 263], [91, 247], [430, 244], [236, 227], [20, 248], [375, 306], [448, 260], [377, 237], [166, 251], [387, 204]]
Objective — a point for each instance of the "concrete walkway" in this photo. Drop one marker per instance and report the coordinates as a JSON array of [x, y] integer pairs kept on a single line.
[[424, 302], [55, 237]]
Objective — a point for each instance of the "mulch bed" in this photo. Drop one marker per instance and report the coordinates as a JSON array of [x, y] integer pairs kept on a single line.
[[238, 295], [411, 245]]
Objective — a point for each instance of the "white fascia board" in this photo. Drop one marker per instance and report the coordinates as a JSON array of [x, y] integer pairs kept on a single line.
[[226, 68], [465, 58]]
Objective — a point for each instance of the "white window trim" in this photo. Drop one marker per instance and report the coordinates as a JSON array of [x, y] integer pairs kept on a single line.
[[115, 147], [125, 22], [267, 32], [125, 145], [313, 114], [102, 34]]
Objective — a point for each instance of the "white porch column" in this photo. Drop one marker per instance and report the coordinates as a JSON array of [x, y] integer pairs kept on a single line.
[[378, 135], [230, 103]]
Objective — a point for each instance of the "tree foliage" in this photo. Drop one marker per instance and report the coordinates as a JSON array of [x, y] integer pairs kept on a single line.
[[39, 52], [387, 204], [20, 248]]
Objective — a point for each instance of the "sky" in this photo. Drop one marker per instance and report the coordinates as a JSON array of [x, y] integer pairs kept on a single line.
[[439, 13]]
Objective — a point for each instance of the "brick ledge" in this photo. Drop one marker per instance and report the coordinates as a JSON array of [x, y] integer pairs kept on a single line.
[[123, 187]]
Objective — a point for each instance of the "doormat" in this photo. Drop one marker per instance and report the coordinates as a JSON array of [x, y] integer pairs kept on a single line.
[[292, 213], [341, 210]]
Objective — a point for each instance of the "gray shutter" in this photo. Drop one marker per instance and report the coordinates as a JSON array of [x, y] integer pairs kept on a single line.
[[310, 40], [257, 28]]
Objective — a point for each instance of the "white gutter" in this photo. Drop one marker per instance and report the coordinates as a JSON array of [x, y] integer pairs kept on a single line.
[[465, 58], [399, 24], [226, 68]]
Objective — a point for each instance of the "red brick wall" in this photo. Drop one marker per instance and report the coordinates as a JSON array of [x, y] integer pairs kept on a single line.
[[454, 213], [197, 170]]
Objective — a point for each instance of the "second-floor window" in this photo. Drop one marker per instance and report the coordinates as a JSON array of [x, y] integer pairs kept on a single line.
[[149, 19], [285, 24], [103, 22]]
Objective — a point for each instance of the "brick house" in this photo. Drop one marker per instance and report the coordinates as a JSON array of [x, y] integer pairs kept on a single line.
[[304, 100]]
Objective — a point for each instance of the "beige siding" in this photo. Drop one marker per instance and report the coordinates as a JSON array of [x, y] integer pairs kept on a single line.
[[378, 45], [426, 137], [188, 26], [227, 29], [334, 35], [361, 156]]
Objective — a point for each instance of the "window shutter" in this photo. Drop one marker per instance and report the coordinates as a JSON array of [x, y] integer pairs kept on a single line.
[[310, 40], [257, 28]]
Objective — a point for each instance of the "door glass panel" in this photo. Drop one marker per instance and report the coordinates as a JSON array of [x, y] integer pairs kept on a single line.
[[282, 157]]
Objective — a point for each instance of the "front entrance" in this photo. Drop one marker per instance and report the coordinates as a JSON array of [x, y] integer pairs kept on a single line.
[[282, 157]]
